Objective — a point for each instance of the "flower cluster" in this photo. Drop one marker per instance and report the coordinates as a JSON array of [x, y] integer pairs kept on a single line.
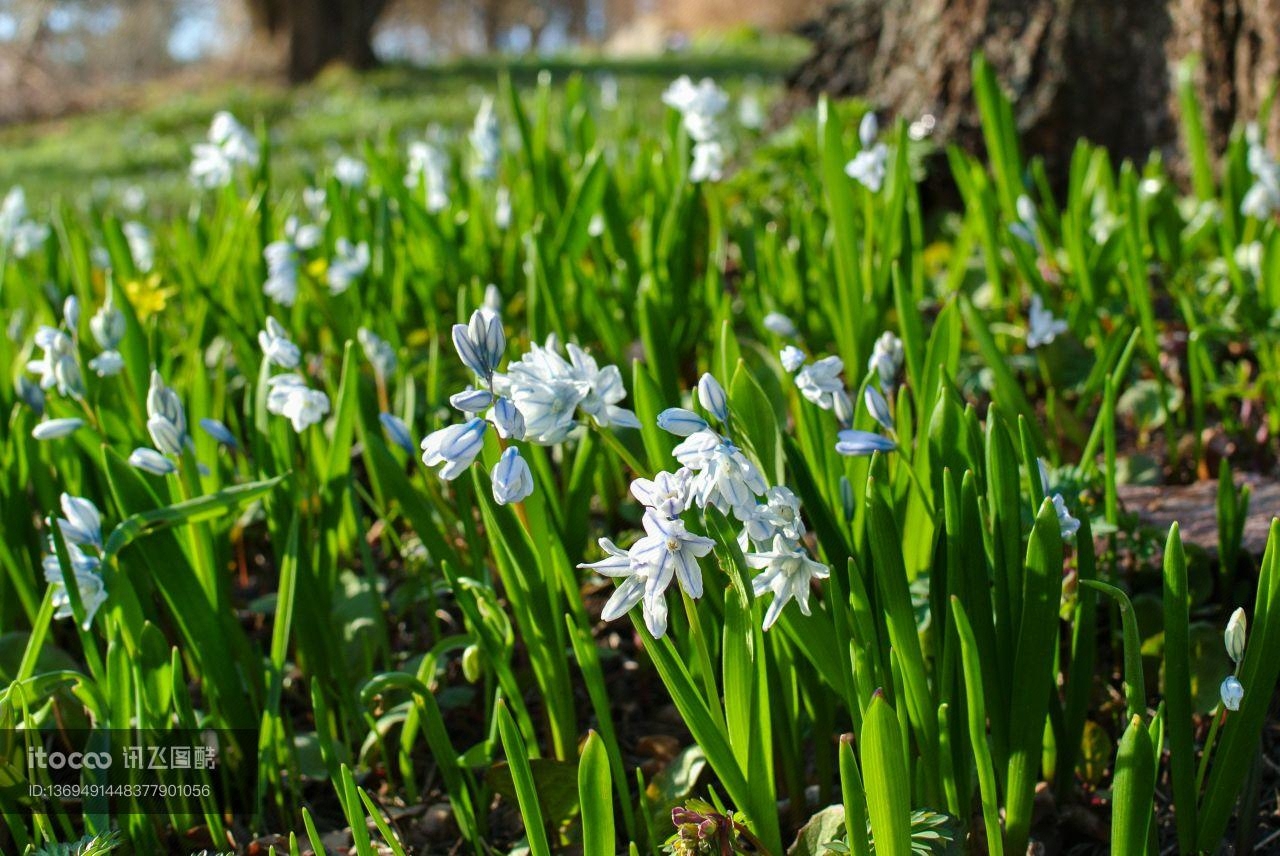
[[81, 527], [822, 383], [283, 258], [869, 164], [700, 106], [350, 172], [537, 400], [714, 473], [19, 234], [228, 145], [288, 394]]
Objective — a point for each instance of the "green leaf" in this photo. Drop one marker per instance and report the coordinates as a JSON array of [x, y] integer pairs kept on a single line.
[[885, 768], [595, 795], [525, 787], [1133, 791]]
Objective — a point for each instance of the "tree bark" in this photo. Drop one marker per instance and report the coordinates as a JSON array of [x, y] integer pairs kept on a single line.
[[315, 33], [1098, 69]]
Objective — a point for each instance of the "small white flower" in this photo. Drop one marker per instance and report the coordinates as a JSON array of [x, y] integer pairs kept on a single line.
[[89, 585], [107, 364], [869, 165], [750, 112], [455, 446], [512, 479], [54, 429], [350, 172], [666, 493], [886, 359], [71, 314], [779, 324], [472, 400], [303, 236], [1067, 524], [1232, 692], [700, 105], [779, 514], [277, 347], [820, 381], [681, 422], [480, 343], [788, 572], [282, 272], [856, 443], [486, 141], [218, 431], [81, 523], [141, 247], [291, 398], [378, 352], [349, 264], [879, 408], [669, 550], [712, 397], [508, 419], [166, 419], [397, 430], [108, 324], [1042, 327], [725, 478], [792, 358], [151, 461], [1234, 637], [430, 166], [502, 208], [635, 577], [708, 162]]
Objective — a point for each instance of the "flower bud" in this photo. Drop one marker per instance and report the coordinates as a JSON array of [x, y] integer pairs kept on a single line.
[[1234, 637]]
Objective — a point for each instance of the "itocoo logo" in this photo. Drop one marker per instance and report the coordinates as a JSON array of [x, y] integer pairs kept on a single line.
[[37, 756]]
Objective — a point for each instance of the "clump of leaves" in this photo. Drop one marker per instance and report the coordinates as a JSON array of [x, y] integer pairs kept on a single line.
[[90, 845], [933, 833]]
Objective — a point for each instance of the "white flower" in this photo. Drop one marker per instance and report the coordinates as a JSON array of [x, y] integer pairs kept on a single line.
[[492, 300], [820, 381], [428, 164], [502, 208], [134, 198], [277, 347], [725, 478], [303, 236], [512, 479], [397, 430], [71, 314], [486, 141], [282, 272], [107, 364], [886, 359], [1067, 524], [879, 408], [54, 429], [666, 493], [750, 112], [313, 199], [681, 422], [1263, 197], [17, 231], [712, 397], [857, 443], [151, 461], [108, 324], [89, 585], [166, 419], [868, 165], [290, 397], [506, 417], [788, 573], [617, 564], [350, 172], [210, 166], [792, 358], [81, 523], [604, 390], [779, 324], [218, 431], [140, 245], [779, 514], [377, 351], [1042, 327], [708, 162], [669, 550], [349, 264], [1234, 637], [455, 446], [1232, 692], [57, 347], [700, 105], [229, 145], [480, 343], [472, 400]]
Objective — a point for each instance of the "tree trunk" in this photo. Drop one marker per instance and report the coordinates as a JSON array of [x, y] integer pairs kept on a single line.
[[1098, 69], [315, 33]]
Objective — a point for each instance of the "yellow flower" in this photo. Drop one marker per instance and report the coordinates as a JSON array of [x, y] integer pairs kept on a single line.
[[148, 296], [317, 269]]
